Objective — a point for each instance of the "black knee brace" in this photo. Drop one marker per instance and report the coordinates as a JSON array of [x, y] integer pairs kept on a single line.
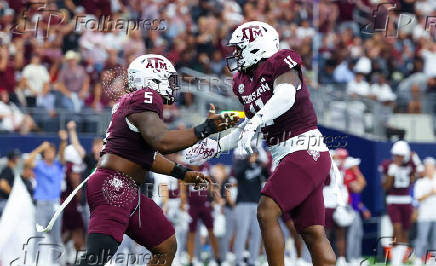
[[100, 249]]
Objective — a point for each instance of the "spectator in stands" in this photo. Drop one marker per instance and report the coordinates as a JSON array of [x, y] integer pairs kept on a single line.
[[415, 105], [11, 59], [343, 72], [73, 83], [381, 91], [358, 87], [425, 193], [12, 119], [428, 53], [35, 85], [7, 176], [49, 173]]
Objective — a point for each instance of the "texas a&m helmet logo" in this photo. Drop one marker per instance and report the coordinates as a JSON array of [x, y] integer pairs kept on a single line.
[[250, 33], [155, 63]]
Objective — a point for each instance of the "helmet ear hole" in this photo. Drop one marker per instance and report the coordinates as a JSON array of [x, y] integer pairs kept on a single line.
[[254, 51], [156, 81]]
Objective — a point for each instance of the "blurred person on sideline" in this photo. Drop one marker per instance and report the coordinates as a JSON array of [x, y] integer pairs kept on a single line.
[[229, 193], [7, 176], [72, 222], [173, 204], [72, 83], [334, 226], [398, 176], [355, 183], [425, 193], [12, 119], [17, 222], [250, 172], [49, 173], [200, 207], [90, 161]]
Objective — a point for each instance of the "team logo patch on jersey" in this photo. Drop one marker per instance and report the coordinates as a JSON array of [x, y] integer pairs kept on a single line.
[[119, 190], [241, 88], [315, 154]]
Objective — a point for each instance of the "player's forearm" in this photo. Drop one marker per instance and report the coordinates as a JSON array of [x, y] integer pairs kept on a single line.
[[282, 100], [74, 139], [32, 156], [175, 140], [230, 141], [162, 165], [388, 182], [62, 147], [4, 186]]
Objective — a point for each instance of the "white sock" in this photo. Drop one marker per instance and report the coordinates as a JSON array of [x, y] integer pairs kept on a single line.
[[398, 253], [341, 261]]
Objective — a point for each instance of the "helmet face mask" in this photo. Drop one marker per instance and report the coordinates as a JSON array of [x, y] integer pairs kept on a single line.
[[235, 61], [173, 85]]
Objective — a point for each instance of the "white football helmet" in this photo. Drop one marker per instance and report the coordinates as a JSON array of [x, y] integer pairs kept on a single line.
[[155, 72], [402, 148], [253, 41]]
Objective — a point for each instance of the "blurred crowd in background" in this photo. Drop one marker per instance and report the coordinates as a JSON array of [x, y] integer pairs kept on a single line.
[[65, 56], [56, 56]]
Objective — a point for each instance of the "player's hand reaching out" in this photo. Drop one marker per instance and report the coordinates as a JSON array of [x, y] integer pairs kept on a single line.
[[222, 121], [247, 135], [197, 178]]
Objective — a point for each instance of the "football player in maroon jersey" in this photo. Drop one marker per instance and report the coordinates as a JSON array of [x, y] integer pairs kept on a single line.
[[135, 140], [398, 176], [269, 83]]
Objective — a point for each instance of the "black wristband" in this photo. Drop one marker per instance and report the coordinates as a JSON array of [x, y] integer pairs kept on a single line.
[[206, 129], [179, 171]]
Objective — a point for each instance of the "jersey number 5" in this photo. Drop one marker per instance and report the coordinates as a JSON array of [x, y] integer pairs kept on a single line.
[[148, 97]]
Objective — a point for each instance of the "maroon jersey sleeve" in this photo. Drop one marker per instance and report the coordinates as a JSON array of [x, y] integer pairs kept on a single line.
[[145, 100], [284, 61], [384, 166]]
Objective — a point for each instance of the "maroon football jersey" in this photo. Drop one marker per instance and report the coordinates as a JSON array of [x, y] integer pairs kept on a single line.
[[254, 91], [200, 196], [402, 177], [122, 137]]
